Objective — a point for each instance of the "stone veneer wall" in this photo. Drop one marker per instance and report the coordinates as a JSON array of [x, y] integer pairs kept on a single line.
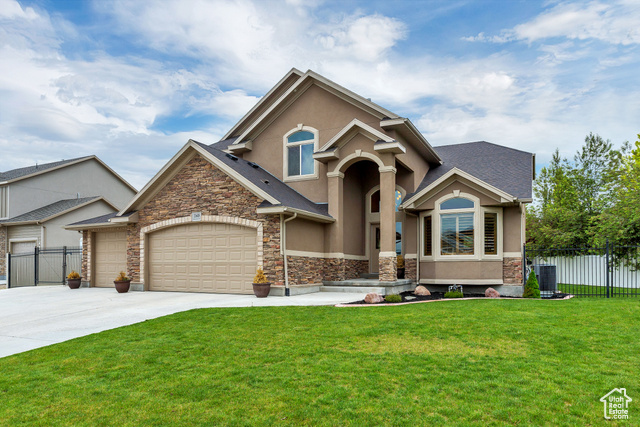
[[388, 269], [3, 250], [411, 268], [309, 270], [86, 256], [512, 271], [337, 269], [201, 187]]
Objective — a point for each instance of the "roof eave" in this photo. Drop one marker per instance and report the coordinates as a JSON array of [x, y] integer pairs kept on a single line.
[[504, 197], [271, 210], [423, 145]]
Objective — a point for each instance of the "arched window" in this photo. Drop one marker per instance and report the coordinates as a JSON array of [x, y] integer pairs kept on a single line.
[[299, 148], [375, 201]]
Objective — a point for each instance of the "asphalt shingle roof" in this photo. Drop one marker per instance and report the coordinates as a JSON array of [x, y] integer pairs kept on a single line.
[[48, 211], [507, 169], [262, 179], [28, 170], [97, 220]]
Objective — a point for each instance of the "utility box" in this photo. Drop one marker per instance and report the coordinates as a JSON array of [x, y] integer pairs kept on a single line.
[[547, 279]]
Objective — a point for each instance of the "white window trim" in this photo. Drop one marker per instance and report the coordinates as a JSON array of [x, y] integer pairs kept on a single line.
[[6, 202], [285, 153], [478, 233]]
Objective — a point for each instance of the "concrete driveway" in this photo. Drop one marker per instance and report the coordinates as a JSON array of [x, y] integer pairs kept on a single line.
[[35, 317]]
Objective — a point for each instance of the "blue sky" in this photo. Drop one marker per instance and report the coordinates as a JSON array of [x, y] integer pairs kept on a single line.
[[132, 81]]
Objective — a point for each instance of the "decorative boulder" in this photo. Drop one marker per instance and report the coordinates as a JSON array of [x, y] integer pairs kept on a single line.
[[373, 298], [491, 293], [421, 290]]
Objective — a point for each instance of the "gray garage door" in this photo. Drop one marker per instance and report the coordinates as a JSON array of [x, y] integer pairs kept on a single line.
[[203, 257]]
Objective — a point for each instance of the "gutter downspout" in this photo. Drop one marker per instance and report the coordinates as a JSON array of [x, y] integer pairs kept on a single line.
[[284, 252]]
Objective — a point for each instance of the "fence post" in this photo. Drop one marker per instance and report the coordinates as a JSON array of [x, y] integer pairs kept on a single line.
[[524, 264], [607, 261], [8, 270], [35, 266], [64, 264]]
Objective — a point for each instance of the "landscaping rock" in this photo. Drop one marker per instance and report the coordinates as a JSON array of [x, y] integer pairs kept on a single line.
[[373, 298], [491, 293], [421, 290]]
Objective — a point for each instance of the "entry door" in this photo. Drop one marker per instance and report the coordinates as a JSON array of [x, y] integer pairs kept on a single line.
[[374, 251]]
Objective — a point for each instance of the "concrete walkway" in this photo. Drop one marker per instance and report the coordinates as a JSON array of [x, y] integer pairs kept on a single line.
[[35, 317]]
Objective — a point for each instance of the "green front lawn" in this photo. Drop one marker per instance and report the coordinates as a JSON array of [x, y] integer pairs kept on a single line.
[[598, 291], [482, 362]]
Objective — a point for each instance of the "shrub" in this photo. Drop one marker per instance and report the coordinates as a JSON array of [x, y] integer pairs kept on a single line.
[[393, 298], [454, 294], [122, 277], [73, 275], [260, 277], [400, 261], [531, 289]]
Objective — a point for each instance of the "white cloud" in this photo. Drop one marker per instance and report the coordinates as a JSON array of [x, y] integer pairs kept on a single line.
[[613, 22]]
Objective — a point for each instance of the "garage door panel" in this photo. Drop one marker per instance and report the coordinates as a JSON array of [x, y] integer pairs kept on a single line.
[[110, 256], [203, 257]]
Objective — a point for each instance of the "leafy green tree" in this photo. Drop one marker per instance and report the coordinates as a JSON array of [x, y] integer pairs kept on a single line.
[[619, 222], [569, 196]]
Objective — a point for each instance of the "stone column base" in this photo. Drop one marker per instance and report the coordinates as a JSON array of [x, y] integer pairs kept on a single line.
[[411, 268], [388, 269]]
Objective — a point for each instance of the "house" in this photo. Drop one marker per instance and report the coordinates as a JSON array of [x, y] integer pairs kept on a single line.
[[36, 202], [317, 184]]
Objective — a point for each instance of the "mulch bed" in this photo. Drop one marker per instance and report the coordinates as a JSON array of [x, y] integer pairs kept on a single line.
[[408, 296]]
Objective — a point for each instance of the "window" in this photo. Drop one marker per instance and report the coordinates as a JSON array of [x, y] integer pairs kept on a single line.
[[299, 154], [375, 201], [456, 228], [4, 201], [460, 228], [428, 236], [490, 233], [456, 234]]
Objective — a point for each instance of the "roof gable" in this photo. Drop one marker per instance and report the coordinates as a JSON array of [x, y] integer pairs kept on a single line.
[[53, 210], [296, 90], [31, 171], [248, 174], [505, 169]]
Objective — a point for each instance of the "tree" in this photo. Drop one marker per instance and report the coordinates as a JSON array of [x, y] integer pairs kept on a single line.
[[619, 222], [568, 196]]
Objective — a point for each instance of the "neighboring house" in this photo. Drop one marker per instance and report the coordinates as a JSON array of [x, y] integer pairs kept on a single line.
[[36, 202], [316, 183]]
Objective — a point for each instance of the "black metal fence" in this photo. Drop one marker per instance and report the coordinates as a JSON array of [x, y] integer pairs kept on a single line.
[[43, 266], [609, 271]]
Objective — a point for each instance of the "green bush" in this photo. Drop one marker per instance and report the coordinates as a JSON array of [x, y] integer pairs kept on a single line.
[[454, 294], [531, 288], [393, 298]]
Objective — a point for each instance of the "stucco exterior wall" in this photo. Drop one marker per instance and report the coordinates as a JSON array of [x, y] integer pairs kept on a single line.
[[512, 229], [56, 236], [88, 178], [460, 271], [201, 187], [456, 185], [305, 235], [316, 108]]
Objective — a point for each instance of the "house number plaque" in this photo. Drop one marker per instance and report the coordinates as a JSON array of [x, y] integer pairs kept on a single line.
[[196, 216]]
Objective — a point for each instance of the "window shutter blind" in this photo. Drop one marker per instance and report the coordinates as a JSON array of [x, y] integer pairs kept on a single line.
[[490, 233]]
